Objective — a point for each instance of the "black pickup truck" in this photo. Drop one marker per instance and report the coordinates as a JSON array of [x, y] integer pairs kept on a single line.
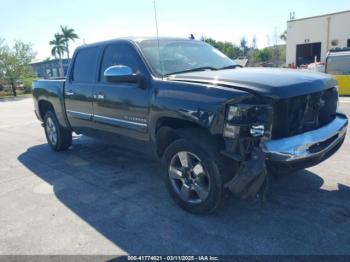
[[214, 125]]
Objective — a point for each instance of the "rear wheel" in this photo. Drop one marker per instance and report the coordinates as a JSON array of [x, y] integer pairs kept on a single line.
[[57, 137], [192, 177]]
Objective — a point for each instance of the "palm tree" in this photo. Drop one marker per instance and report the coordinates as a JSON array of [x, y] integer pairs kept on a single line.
[[68, 34], [58, 49]]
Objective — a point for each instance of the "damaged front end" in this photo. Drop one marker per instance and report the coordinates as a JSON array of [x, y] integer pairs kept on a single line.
[[251, 175], [247, 125], [288, 134]]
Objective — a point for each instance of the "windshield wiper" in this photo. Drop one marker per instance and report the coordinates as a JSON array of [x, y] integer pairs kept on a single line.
[[229, 67], [193, 70]]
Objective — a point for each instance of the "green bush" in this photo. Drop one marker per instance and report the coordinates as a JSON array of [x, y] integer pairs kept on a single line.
[[27, 85], [27, 89]]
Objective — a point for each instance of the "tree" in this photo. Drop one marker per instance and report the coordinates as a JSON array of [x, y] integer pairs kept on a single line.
[[276, 52], [283, 36], [254, 43], [3, 51], [251, 53], [244, 46], [15, 63], [68, 34], [227, 48], [58, 49], [230, 50], [263, 55]]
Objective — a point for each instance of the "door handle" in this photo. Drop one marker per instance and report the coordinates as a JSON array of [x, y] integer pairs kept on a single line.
[[99, 96], [69, 93]]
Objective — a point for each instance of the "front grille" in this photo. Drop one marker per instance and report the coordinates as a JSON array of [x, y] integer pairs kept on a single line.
[[296, 115]]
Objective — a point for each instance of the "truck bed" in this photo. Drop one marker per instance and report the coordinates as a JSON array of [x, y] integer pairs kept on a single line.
[[49, 85], [51, 91]]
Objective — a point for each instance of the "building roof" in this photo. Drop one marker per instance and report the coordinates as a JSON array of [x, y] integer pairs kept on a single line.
[[317, 16], [64, 60]]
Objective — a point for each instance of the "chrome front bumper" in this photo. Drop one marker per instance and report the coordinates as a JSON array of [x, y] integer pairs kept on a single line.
[[316, 144]]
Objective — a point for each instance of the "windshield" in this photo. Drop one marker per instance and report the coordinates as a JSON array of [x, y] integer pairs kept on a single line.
[[338, 65], [183, 55]]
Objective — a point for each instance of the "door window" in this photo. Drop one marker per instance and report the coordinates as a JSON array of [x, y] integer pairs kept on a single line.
[[85, 65], [119, 54]]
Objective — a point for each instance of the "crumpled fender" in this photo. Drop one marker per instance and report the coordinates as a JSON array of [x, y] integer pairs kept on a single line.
[[250, 177]]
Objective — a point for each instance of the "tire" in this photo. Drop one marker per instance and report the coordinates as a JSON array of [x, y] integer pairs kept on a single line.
[[57, 137], [197, 191]]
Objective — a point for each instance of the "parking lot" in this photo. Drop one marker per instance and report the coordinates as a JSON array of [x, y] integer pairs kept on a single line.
[[101, 199]]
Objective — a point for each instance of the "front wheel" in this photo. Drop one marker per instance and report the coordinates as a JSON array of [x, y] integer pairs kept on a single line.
[[192, 177], [57, 137]]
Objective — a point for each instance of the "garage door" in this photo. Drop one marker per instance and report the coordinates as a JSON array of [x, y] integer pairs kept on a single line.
[[306, 53]]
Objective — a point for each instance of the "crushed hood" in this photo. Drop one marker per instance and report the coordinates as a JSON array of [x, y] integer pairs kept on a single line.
[[269, 82]]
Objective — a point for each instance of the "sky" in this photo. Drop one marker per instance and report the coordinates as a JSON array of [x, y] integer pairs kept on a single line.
[[36, 21]]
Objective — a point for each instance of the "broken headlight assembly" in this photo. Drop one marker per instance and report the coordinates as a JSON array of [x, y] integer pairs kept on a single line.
[[248, 120]]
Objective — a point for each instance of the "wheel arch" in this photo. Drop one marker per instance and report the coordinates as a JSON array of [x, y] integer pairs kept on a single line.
[[170, 129], [45, 104], [44, 107]]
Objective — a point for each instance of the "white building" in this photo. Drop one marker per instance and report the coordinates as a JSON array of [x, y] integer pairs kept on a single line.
[[314, 36]]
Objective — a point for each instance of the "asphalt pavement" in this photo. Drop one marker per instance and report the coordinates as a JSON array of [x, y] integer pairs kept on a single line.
[[101, 199]]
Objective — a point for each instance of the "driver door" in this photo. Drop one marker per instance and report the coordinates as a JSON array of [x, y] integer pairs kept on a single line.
[[121, 108]]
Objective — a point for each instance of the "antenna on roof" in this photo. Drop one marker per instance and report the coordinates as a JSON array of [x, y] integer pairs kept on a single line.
[[292, 15], [155, 18]]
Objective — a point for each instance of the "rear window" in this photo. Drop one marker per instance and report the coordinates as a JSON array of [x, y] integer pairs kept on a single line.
[[85, 65]]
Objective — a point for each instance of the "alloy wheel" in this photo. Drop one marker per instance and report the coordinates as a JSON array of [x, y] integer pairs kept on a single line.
[[189, 178], [51, 131]]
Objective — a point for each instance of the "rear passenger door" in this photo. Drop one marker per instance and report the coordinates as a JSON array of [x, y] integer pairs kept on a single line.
[[122, 108], [79, 90]]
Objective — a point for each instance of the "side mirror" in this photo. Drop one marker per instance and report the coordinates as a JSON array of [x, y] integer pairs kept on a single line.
[[120, 73]]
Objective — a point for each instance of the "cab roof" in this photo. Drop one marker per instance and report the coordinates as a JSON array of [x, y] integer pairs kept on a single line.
[[339, 52], [135, 40]]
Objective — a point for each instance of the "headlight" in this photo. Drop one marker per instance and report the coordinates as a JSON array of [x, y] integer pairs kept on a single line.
[[258, 130], [247, 120]]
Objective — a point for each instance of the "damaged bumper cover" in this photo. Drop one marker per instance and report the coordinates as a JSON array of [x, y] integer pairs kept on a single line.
[[309, 148], [294, 152]]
